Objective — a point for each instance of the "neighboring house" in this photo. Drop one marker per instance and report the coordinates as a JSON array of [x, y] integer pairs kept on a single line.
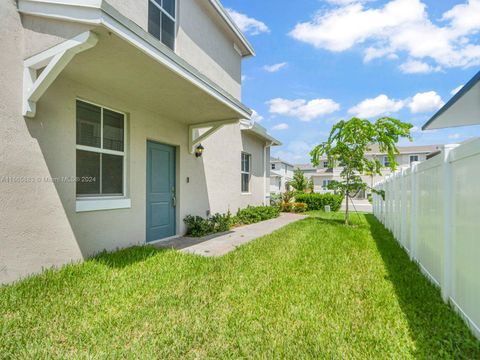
[[103, 110], [281, 173], [324, 174]]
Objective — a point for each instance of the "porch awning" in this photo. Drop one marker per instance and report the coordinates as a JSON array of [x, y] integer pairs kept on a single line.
[[462, 110], [130, 63]]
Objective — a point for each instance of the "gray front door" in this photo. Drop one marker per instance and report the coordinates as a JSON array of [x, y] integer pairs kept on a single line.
[[161, 200]]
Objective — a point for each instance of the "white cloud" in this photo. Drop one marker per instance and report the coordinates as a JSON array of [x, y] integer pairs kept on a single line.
[[256, 117], [244, 77], [418, 67], [275, 67], [281, 126], [381, 105], [303, 109], [456, 90], [425, 102], [247, 24], [296, 152], [398, 27]]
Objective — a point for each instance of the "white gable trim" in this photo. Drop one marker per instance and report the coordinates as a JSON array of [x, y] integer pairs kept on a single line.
[[96, 12]]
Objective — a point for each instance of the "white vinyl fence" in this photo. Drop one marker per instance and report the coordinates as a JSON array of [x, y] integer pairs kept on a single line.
[[433, 210]]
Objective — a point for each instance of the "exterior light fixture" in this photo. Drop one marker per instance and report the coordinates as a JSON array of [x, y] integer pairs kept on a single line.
[[199, 150]]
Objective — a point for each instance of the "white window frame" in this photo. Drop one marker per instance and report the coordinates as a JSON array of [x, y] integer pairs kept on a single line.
[[273, 167], [104, 202], [242, 172], [386, 160], [414, 156], [325, 164], [174, 19]]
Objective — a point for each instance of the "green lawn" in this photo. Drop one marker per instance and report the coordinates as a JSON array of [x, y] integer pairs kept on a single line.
[[314, 289]]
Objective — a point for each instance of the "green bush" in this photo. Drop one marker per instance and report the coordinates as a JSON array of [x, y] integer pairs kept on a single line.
[[319, 201], [254, 214], [296, 207], [198, 226], [275, 199]]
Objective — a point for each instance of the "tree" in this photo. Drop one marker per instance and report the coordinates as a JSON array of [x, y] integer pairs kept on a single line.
[[299, 181], [347, 144], [370, 170]]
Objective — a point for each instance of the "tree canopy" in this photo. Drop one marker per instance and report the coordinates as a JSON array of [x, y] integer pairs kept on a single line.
[[347, 144]]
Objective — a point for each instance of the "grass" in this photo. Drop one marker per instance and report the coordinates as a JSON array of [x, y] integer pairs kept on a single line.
[[314, 289]]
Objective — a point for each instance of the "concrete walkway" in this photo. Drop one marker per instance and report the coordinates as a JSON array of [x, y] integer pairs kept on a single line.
[[221, 244], [360, 205]]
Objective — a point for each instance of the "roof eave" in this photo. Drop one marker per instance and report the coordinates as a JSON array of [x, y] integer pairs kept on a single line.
[[249, 50], [452, 101], [100, 13]]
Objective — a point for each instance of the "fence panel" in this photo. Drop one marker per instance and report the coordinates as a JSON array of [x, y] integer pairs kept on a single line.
[[430, 220], [465, 280], [432, 209]]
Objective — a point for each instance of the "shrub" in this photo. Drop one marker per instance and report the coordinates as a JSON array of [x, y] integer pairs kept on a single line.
[[254, 214], [197, 226], [319, 201], [287, 207], [296, 207], [299, 207], [275, 199]]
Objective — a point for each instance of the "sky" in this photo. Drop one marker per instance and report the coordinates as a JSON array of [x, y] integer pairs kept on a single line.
[[320, 61]]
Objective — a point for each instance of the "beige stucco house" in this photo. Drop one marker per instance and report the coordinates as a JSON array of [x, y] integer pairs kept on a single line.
[[103, 107], [324, 174]]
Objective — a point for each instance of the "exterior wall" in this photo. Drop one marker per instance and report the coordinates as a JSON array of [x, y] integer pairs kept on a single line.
[[200, 40], [432, 210], [34, 228], [40, 227], [203, 43]]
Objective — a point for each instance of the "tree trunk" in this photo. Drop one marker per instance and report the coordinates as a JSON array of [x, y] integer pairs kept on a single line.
[[346, 208]]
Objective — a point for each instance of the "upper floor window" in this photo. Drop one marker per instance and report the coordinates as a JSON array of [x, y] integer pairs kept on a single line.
[[273, 166], [413, 158], [100, 151], [161, 20], [325, 164], [246, 172]]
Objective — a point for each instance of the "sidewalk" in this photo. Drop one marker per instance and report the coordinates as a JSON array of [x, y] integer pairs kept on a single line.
[[221, 244]]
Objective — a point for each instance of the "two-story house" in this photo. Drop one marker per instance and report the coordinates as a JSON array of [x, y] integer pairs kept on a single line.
[[117, 120], [324, 174], [281, 173]]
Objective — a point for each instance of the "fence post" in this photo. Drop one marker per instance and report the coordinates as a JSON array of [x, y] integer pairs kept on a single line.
[[403, 209], [414, 213], [447, 222]]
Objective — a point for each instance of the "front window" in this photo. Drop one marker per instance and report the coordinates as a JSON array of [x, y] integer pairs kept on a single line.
[[161, 21], [100, 151], [386, 161], [273, 166], [325, 164], [325, 184], [246, 172], [413, 158]]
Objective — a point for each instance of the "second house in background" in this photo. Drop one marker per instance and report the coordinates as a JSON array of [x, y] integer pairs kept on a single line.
[[281, 173], [324, 174]]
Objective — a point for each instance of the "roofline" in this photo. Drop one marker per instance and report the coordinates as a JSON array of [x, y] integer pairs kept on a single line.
[[260, 131], [233, 26], [280, 161], [100, 13], [473, 81]]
